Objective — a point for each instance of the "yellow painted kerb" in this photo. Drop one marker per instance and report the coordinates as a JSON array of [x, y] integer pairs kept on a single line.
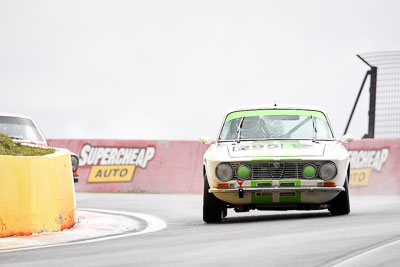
[[36, 194]]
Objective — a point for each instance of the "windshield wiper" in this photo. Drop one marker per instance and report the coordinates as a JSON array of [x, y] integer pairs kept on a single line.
[[239, 130], [15, 137]]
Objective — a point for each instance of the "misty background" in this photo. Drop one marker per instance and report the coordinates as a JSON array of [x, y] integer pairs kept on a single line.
[[171, 69]]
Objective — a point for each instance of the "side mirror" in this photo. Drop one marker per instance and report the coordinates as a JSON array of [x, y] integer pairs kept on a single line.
[[205, 140], [347, 138]]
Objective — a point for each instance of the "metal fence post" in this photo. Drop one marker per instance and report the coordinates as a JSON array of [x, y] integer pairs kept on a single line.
[[372, 103]]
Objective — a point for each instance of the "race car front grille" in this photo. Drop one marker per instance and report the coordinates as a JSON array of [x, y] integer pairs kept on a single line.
[[277, 170]]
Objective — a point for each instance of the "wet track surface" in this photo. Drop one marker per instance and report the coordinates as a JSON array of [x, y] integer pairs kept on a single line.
[[369, 236]]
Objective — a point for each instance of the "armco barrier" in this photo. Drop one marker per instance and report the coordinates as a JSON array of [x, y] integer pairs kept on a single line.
[[137, 165], [375, 167], [36, 194]]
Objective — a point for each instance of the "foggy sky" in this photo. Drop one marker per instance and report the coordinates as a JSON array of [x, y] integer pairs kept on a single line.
[[170, 69]]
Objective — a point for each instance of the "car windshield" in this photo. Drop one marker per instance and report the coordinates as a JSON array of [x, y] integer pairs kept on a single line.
[[20, 129], [276, 124]]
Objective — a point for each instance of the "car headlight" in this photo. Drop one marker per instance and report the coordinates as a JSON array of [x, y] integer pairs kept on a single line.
[[309, 171], [224, 172], [74, 162], [327, 171], [243, 171]]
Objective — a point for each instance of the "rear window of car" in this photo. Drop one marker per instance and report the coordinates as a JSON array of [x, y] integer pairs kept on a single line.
[[20, 129]]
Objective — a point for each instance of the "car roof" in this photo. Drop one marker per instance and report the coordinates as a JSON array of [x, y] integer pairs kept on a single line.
[[301, 107], [7, 114]]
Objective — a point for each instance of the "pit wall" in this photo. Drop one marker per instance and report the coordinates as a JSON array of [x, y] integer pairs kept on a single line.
[[36, 194], [137, 165], [176, 166], [375, 166]]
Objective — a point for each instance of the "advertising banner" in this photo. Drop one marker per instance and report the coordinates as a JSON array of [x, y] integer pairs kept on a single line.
[[375, 167], [137, 165], [176, 166]]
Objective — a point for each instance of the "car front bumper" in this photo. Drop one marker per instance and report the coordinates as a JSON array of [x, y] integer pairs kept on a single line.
[[277, 189]]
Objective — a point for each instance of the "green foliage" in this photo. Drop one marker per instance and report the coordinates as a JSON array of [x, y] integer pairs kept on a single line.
[[9, 147]]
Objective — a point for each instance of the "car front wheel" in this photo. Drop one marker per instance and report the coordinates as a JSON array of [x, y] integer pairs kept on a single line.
[[340, 205], [213, 209]]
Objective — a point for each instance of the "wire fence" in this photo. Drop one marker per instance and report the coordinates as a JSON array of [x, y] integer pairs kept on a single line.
[[387, 110]]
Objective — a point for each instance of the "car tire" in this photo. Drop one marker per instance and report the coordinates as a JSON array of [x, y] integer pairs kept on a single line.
[[340, 205], [213, 209]]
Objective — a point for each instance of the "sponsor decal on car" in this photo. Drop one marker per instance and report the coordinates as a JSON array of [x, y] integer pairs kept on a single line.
[[363, 162], [276, 150], [114, 164]]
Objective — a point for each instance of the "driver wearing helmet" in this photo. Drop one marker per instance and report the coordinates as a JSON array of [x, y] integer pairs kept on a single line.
[[275, 126]]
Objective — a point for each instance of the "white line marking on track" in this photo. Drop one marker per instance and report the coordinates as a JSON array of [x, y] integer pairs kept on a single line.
[[154, 224], [342, 261]]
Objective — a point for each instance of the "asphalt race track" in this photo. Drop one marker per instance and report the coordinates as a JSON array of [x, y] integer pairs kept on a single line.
[[369, 236]]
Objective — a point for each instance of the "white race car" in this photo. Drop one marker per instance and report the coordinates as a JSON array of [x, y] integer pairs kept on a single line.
[[275, 158]]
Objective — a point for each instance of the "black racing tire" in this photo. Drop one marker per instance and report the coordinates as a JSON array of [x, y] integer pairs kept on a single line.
[[340, 205], [213, 209], [224, 212]]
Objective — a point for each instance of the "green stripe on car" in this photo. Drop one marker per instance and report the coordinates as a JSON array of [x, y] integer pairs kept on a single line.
[[254, 183], [264, 198], [259, 198], [263, 112], [291, 199], [297, 183]]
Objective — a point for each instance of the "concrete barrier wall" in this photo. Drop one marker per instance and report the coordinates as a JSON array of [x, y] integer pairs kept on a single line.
[[36, 194], [375, 167], [176, 166], [137, 165]]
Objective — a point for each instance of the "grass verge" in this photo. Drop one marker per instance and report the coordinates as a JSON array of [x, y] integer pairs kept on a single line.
[[9, 147]]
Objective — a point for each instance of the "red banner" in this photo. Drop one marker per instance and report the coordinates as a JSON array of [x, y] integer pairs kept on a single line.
[[375, 167], [176, 166], [137, 165]]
